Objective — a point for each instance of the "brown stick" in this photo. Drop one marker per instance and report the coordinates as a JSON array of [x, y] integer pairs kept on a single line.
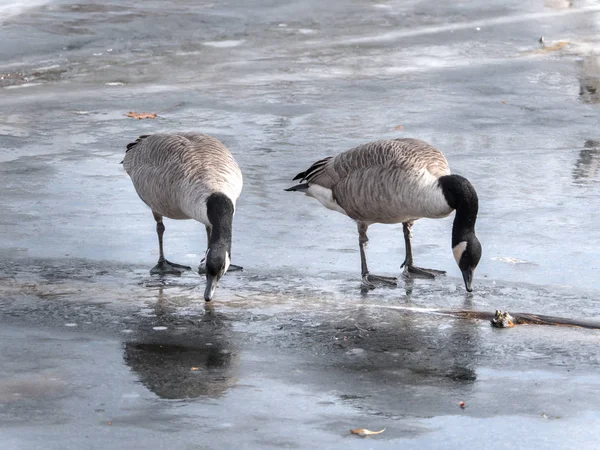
[[526, 318]]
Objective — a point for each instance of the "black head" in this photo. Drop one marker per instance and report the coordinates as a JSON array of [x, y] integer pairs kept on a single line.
[[219, 209], [217, 263], [460, 195], [467, 254]]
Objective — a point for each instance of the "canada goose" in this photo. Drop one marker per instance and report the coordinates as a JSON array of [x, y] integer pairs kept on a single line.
[[393, 181], [188, 176]]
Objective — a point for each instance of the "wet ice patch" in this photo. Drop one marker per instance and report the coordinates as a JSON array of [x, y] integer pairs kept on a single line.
[[356, 352], [224, 44], [14, 8], [24, 85], [131, 395], [509, 260], [147, 312], [47, 68]]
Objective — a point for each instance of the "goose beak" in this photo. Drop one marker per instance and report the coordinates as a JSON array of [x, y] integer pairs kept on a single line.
[[211, 285], [468, 277]]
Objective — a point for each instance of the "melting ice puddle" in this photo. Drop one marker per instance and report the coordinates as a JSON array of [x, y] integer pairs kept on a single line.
[[356, 351], [224, 44], [509, 260], [131, 395]]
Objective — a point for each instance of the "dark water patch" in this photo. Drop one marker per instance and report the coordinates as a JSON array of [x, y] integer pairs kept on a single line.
[[587, 166]]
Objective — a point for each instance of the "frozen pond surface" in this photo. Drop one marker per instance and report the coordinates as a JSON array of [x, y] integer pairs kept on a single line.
[[291, 354]]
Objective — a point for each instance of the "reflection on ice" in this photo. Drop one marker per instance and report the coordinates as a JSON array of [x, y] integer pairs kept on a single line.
[[194, 356], [181, 371], [589, 80], [587, 166]]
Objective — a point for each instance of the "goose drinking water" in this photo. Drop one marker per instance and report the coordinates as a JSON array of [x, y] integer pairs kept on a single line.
[[188, 176], [397, 181]]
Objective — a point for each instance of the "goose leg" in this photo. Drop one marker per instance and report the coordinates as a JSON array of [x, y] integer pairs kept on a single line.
[[410, 270], [369, 280], [164, 267], [202, 266]]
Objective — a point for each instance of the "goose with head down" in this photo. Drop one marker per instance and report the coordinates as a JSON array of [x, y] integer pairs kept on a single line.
[[397, 181], [188, 176]]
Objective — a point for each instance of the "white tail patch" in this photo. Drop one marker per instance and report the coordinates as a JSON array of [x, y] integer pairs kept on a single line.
[[325, 197], [458, 250], [227, 262]]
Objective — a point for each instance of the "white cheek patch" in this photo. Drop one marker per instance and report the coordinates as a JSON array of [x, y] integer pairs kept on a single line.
[[227, 262], [458, 250]]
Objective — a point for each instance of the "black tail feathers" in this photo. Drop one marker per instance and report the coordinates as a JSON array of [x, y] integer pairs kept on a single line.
[[299, 187], [137, 141], [300, 176]]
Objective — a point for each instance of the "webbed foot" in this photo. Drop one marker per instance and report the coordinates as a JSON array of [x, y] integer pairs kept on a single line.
[[370, 281], [411, 271], [165, 267]]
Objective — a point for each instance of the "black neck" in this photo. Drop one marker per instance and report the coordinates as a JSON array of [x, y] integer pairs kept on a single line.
[[219, 209], [460, 195]]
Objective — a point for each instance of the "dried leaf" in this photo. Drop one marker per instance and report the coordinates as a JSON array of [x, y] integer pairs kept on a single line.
[[364, 432], [504, 102], [194, 368], [109, 422], [462, 404], [399, 127], [137, 115]]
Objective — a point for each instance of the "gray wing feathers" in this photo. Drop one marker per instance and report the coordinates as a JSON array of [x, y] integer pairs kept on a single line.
[[385, 181], [405, 155], [174, 173]]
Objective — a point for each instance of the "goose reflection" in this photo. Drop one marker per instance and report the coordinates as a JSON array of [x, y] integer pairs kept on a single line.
[[197, 359], [589, 80], [390, 360], [407, 347], [174, 371]]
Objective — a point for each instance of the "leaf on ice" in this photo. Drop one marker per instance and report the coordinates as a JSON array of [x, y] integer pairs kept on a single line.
[[137, 115], [552, 48], [364, 432]]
